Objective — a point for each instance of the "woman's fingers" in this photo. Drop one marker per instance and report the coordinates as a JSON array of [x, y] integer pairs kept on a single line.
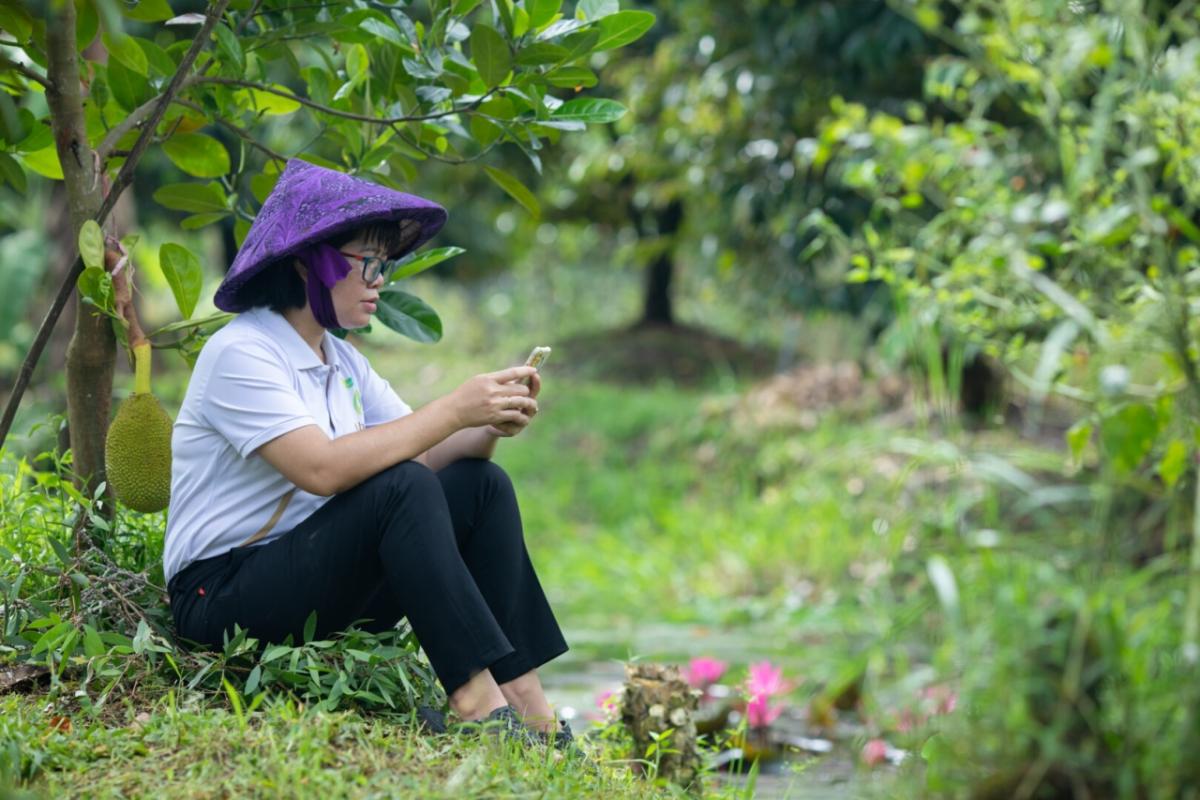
[[512, 417], [512, 374], [513, 389], [507, 401]]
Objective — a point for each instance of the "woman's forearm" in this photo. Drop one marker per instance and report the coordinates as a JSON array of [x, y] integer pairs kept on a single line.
[[323, 465], [464, 443]]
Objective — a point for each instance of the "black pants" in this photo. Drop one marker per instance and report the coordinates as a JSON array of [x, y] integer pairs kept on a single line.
[[446, 550]]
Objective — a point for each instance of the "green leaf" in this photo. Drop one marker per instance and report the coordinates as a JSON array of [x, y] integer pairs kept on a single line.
[[148, 11], [229, 47], [197, 154], [217, 320], [520, 22], [407, 314], [386, 29], [11, 171], [1173, 463], [161, 64], [184, 275], [16, 21], [491, 55], [483, 131], [92, 646], [589, 110], [240, 228], [96, 285], [464, 7], [310, 626], [1112, 226], [595, 9], [87, 22], [39, 135], [253, 679], [541, 12], [1128, 435], [200, 220], [571, 77], [197, 198], [91, 244], [618, 30], [504, 9], [44, 162], [126, 50], [60, 550], [419, 262], [129, 89], [541, 53], [14, 125], [1078, 436], [358, 64], [262, 184], [516, 190]]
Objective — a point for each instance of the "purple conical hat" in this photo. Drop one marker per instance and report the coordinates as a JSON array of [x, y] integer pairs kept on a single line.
[[310, 204]]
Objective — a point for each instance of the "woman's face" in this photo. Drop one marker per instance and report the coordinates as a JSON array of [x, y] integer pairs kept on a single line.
[[353, 299]]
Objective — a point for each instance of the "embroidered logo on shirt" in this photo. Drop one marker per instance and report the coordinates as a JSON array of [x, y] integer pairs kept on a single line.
[[358, 406]]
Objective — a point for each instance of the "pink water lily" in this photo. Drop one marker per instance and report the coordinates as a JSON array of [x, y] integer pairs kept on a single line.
[[874, 752], [760, 713], [703, 672], [766, 680], [943, 698], [609, 703]]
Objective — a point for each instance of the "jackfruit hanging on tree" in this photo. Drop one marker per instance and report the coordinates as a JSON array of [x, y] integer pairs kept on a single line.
[[137, 451]]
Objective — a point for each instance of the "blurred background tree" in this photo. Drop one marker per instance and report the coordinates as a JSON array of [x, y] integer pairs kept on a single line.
[[703, 168]]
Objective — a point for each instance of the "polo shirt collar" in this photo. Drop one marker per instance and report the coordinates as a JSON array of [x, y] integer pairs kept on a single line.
[[298, 351]]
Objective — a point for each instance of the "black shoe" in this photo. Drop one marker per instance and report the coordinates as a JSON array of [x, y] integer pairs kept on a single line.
[[504, 723], [430, 720], [562, 739]]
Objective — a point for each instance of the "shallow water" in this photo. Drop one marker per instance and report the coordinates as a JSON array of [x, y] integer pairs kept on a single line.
[[820, 766]]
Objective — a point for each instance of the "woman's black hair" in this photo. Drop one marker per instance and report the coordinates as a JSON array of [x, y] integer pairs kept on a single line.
[[279, 287]]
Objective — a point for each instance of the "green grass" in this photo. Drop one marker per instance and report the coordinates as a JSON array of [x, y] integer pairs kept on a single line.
[[282, 751]]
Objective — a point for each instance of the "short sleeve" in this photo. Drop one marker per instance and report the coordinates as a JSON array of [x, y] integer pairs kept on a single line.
[[380, 402], [250, 398]]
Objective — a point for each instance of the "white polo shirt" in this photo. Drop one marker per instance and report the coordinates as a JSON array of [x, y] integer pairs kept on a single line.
[[255, 380]]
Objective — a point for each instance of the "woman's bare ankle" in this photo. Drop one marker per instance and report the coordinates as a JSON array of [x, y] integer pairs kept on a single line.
[[478, 697]]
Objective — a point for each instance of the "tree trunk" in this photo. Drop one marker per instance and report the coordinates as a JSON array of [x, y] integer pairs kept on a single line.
[[91, 354], [656, 307]]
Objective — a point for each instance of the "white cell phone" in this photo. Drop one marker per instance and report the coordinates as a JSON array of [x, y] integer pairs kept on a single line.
[[537, 357]]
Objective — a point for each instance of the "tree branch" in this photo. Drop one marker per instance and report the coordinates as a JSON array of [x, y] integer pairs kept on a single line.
[[135, 118], [241, 132], [5, 61], [122, 181], [337, 112]]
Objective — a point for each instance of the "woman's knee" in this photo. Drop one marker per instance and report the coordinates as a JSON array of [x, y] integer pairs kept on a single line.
[[408, 479], [481, 472]]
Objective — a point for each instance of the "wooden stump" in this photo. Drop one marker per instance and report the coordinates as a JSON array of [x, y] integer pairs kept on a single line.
[[657, 700]]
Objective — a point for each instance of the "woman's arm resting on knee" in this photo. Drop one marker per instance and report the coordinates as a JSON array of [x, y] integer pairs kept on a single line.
[[466, 443], [324, 466]]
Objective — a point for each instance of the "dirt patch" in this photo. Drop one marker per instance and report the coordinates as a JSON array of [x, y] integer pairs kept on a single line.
[[798, 397], [644, 354]]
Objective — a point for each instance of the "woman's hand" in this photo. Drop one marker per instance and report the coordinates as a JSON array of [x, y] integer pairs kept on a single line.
[[495, 398], [513, 428]]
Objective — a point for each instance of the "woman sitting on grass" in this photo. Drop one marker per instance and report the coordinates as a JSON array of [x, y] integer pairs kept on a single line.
[[301, 482]]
